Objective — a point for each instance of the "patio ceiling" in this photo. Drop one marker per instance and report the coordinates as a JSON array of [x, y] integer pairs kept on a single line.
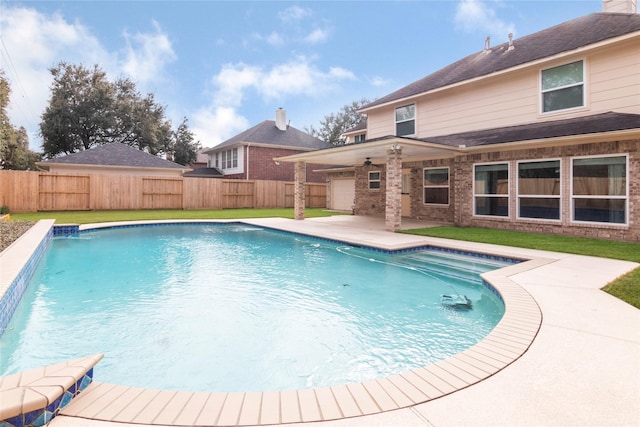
[[375, 150]]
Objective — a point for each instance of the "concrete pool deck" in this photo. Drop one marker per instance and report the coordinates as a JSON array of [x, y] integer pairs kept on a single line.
[[582, 368]]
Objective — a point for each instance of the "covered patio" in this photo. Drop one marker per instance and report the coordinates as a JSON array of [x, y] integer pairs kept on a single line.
[[390, 151]]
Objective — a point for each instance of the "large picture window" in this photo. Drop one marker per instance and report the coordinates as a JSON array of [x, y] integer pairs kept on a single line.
[[563, 87], [491, 189], [599, 190], [539, 189], [436, 186], [230, 159], [406, 120]]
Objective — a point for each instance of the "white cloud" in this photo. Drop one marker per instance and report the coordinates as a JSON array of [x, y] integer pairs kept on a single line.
[[147, 54], [232, 81], [33, 42], [478, 16], [378, 81], [215, 125], [296, 78], [294, 13], [317, 36], [275, 39]]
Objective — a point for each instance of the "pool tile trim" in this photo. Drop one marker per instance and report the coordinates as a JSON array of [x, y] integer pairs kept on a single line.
[[507, 342]]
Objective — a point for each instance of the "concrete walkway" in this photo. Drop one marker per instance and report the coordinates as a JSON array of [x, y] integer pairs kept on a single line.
[[583, 368]]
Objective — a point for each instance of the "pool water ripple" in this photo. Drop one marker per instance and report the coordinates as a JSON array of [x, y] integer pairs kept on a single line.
[[258, 310]]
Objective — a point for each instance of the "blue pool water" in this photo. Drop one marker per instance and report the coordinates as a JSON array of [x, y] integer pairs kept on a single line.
[[212, 307]]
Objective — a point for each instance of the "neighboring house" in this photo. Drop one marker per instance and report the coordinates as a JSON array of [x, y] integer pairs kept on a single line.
[[250, 154], [541, 133], [113, 158]]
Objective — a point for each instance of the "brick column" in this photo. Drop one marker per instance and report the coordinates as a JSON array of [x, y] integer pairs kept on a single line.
[[393, 204], [299, 191]]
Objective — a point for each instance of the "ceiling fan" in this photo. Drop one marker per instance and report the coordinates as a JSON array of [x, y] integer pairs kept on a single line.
[[367, 162]]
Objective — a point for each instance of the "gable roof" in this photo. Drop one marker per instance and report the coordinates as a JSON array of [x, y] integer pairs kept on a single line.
[[114, 154], [564, 37], [593, 124], [268, 134]]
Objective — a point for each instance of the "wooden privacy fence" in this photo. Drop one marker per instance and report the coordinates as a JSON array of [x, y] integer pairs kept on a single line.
[[24, 191]]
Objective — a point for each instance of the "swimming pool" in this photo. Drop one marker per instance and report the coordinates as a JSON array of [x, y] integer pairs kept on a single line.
[[189, 298]]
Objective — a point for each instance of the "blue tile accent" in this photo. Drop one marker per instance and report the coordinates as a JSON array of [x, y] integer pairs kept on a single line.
[[10, 300], [66, 230]]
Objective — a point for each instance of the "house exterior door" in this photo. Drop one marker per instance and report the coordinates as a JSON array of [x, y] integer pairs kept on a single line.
[[406, 192]]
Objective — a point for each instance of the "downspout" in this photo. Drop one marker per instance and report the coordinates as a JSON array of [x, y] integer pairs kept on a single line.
[[247, 160]]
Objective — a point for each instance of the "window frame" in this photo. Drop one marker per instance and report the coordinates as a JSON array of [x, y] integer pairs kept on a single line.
[[396, 121], [361, 137], [447, 186], [573, 197], [583, 83], [229, 159], [506, 196], [371, 181], [539, 196]]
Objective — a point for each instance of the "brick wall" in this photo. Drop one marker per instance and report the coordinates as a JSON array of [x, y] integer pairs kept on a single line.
[[263, 167], [464, 209], [369, 202], [460, 209]]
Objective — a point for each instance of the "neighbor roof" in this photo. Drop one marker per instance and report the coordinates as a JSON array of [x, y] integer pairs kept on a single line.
[[267, 133], [596, 123], [565, 37], [114, 154]]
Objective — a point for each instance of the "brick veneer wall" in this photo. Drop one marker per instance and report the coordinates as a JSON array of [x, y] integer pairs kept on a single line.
[[263, 167], [464, 209], [370, 202], [460, 209]]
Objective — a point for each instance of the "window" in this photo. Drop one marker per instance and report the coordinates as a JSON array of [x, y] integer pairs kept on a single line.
[[359, 138], [599, 190], [230, 159], [491, 189], [563, 87], [406, 120], [374, 180], [436, 186], [539, 189]]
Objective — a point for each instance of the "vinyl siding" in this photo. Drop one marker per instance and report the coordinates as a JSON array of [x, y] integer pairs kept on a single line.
[[513, 98]]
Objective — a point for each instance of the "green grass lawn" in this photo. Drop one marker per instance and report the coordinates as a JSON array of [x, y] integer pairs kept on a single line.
[[627, 287], [88, 217]]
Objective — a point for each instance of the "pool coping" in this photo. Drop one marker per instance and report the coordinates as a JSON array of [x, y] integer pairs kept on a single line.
[[505, 344]]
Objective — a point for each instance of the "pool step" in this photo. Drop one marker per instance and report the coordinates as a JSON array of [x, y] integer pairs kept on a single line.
[[463, 266]]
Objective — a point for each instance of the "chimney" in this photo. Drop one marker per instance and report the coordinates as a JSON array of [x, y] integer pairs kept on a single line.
[[620, 6], [281, 119]]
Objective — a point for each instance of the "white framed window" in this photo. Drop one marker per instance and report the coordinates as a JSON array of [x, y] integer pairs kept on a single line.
[[491, 189], [562, 87], [435, 182], [539, 189], [374, 180], [600, 189], [406, 120], [230, 158], [359, 138]]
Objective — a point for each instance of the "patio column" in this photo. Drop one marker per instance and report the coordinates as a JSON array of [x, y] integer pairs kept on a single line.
[[393, 205], [299, 191]]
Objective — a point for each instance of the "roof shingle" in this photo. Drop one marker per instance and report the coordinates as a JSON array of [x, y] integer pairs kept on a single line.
[[115, 154], [564, 37], [267, 133]]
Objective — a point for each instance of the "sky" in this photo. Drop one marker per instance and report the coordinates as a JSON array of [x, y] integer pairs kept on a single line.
[[229, 65]]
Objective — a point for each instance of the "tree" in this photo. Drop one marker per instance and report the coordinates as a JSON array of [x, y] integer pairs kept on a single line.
[[14, 143], [185, 148], [335, 124], [86, 110]]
